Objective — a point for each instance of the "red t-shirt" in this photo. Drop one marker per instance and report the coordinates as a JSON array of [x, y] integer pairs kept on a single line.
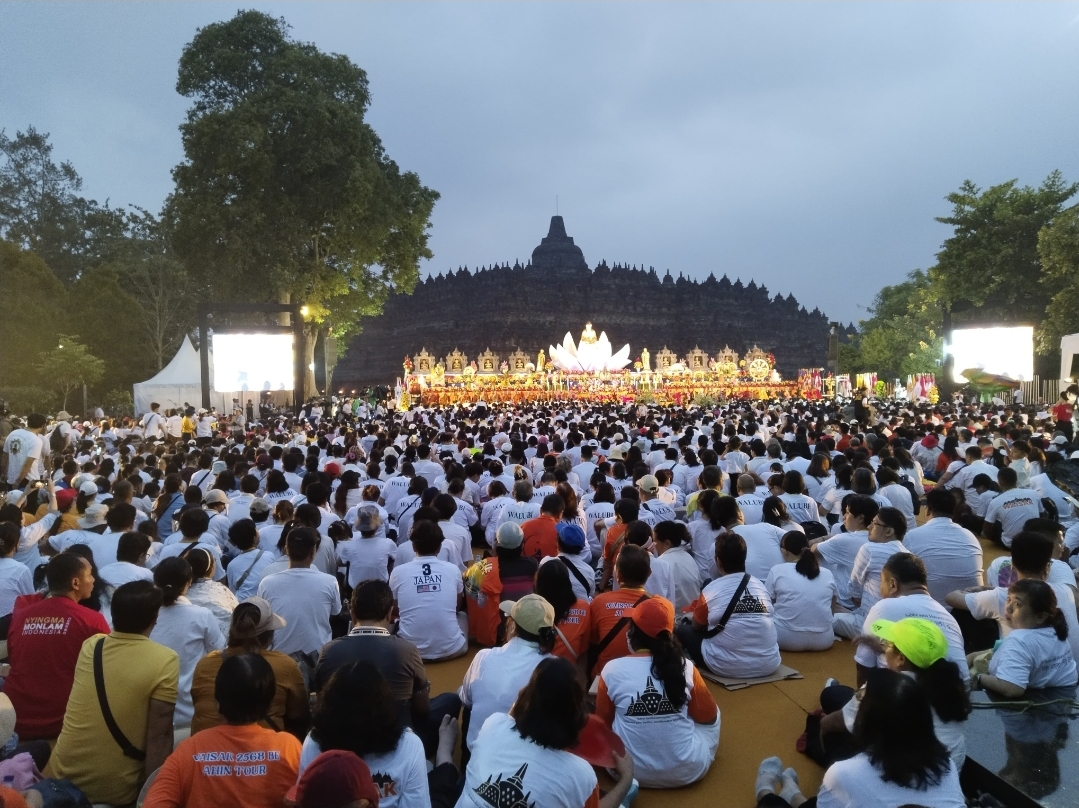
[[43, 645], [1062, 412], [541, 537]]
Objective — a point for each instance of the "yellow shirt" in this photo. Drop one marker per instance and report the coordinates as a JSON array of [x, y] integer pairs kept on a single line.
[[187, 425], [135, 669]]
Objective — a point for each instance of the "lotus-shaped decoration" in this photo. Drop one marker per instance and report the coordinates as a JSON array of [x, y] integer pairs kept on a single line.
[[591, 356]]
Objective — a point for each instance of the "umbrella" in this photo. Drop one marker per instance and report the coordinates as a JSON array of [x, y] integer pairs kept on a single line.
[[983, 382]]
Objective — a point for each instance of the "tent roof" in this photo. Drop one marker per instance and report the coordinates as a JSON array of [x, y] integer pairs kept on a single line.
[[183, 369]]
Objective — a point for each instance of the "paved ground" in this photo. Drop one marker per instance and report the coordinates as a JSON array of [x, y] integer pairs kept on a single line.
[[756, 722]]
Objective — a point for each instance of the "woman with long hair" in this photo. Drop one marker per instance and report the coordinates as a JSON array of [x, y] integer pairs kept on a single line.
[[902, 762], [948, 455], [571, 614], [724, 514], [356, 712], [277, 487], [657, 702], [800, 506], [803, 594], [348, 494], [189, 630], [251, 632], [526, 752], [205, 591], [818, 477]]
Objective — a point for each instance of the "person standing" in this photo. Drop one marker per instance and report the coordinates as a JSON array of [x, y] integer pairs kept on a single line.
[[136, 680], [24, 452]]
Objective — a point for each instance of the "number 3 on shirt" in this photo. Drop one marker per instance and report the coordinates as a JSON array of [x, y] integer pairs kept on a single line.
[[426, 569]]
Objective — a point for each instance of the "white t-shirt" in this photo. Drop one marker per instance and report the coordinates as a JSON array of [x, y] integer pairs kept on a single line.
[[593, 513], [801, 508], [519, 512], [494, 679], [306, 598], [660, 510], [837, 554], [206, 542], [703, 547], [668, 747], [914, 605], [393, 490], [857, 783], [119, 573], [367, 559], [459, 537], [250, 566], [801, 604], [752, 506], [1012, 509], [1034, 657], [400, 776], [952, 555], [448, 552], [192, 632], [15, 580], [20, 445], [762, 547], [1059, 572], [506, 768], [990, 604], [426, 590], [748, 646], [902, 501], [865, 572]]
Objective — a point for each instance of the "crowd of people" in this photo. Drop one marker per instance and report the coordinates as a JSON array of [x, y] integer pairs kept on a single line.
[[223, 610]]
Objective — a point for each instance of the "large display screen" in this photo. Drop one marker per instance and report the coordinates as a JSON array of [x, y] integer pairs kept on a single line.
[[252, 362], [1004, 351]]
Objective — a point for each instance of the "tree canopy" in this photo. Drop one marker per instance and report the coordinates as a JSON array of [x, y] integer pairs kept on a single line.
[[286, 193]]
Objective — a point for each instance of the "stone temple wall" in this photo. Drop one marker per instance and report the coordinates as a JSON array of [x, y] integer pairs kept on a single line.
[[531, 307]]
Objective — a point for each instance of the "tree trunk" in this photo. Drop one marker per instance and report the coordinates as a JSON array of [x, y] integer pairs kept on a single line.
[[310, 387], [945, 384]]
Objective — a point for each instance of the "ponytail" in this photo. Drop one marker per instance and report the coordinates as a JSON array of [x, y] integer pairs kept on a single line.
[[1059, 624], [1041, 599], [796, 543], [291, 523], [172, 575], [947, 690], [668, 663]]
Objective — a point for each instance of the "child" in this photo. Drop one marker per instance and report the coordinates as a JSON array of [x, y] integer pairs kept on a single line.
[[1019, 453]]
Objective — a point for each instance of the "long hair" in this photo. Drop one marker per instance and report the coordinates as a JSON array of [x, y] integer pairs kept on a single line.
[[550, 710], [774, 511], [947, 690], [349, 480], [553, 584], [796, 543], [356, 712], [668, 662], [895, 727]]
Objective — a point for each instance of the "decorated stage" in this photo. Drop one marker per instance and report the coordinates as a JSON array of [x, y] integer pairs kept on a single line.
[[592, 372]]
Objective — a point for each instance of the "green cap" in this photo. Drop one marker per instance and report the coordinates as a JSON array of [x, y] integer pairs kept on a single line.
[[919, 640]]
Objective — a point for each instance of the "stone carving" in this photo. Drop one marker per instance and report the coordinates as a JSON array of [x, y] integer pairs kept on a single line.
[[423, 362], [456, 362], [487, 362]]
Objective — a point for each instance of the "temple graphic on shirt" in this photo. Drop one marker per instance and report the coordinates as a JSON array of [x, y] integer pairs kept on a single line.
[[750, 604], [508, 793], [650, 703], [387, 786]]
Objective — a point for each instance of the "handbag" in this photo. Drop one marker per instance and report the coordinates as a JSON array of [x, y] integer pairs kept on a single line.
[[722, 624]]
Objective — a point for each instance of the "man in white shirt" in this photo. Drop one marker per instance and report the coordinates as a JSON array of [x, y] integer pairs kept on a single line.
[[239, 505], [963, 478], [452, 532], [522, 508], [648, 487], [586, 468], [429, 595], [886, 531], [1010, 510], [304, 597], [153, 423], [751, 503], [951, 553], [246, 569], [424, 466], [24, 452], [174, 425]]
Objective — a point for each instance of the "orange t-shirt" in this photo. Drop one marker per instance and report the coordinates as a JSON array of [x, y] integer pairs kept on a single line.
[[484, 621], [541, 537], [575, 628], [604, 612], [702, 706], [614, 536], [228, 765]]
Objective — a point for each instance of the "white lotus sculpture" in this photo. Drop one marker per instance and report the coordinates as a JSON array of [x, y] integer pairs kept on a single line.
[[591, 356]]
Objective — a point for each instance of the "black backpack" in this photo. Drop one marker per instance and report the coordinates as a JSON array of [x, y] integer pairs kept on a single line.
[[57, 441]]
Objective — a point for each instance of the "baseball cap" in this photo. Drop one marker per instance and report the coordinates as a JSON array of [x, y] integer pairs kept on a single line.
[[64, 498], [259, 505], [215, 496], [333, 780], [333, 469], [268, 621], [88, 488], [1060, 440], [570, 535], [652, 616], [509, 535], [368, 519], [531, 612], [919, 640], [648, 483]]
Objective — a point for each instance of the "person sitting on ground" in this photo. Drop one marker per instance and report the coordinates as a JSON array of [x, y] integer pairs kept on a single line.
[[902, 762], [541, 533], [263, 763], [1035, 653], [44, 643], [15, 578], [207, 592], [656, 701], [837, 553], [335, 779], [141, 679], [399, 660], [951, 553], [191, 631], [356, 712], [496, 675], [886, 532], [194, 524], [1010, 510], [671, 542], [508, 576], [528, 750], [368, 557], [736, 603], [918, 648], [252, 632], [607, 620], [245, 570], [804, 596], [429, 595], [625, 511], [571, 544], [572, 618]]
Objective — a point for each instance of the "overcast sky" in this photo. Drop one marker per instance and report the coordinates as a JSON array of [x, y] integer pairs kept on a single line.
[[805, 146]]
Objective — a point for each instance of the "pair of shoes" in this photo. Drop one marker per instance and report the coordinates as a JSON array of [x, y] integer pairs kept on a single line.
[[829, 682], [771, 774]]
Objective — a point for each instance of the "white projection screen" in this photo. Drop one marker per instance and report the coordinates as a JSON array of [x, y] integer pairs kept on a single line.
[[252, 362], [1005, 351]]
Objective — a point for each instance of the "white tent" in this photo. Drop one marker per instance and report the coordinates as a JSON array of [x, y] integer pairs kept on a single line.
[[178, 383], [1069, 348]]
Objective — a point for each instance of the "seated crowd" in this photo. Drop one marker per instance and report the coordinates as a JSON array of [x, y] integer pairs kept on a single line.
[[248, 617]]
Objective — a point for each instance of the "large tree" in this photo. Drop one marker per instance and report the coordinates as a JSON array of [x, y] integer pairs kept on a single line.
[[286, 192], [1058, 249]]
